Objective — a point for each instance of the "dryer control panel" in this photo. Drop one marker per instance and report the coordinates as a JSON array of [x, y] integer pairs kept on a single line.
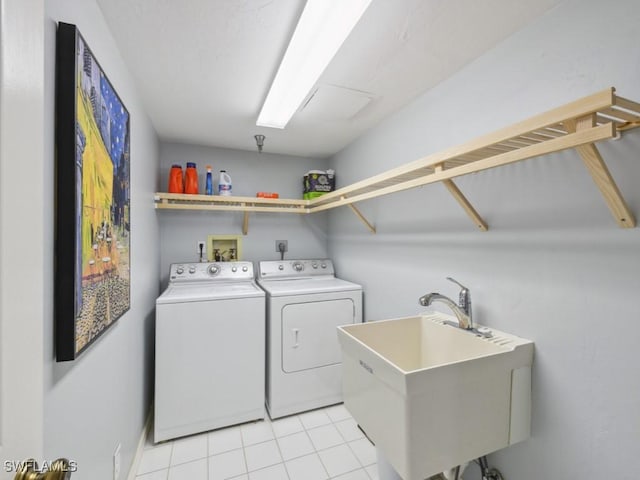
[[198, 272], [295, 268]]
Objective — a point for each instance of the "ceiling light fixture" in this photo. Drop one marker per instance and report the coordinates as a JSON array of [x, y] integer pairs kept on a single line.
[[259, 141], [323, 27]]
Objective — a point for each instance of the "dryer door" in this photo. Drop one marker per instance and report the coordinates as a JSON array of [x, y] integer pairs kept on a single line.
[[309, 335]]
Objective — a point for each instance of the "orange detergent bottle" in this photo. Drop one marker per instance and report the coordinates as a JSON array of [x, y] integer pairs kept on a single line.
[[191, 179], [176, 184]]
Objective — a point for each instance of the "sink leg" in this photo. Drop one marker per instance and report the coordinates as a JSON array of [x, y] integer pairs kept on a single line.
[[452, 474], [385, 470]]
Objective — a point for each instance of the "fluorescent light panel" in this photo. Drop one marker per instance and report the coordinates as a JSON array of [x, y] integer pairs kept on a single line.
[[323, 27]]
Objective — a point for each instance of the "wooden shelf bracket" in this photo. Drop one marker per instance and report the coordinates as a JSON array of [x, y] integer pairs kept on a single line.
[[464, 203], [462, 200], [600, 173], [245, 223], [362, 218]]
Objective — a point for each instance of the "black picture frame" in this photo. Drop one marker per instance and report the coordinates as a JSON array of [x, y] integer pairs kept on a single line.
[[92, 225]]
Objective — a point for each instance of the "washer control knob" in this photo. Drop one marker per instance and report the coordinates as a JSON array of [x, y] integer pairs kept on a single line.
[[213, 269], [179, 270], [324, 265], [192, 269], [234, 269], [245, 269], [280, 267], [298, 267]]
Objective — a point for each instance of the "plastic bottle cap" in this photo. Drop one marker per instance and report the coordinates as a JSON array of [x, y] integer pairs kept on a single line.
[[223, 171], [191, 164], [175, 165]]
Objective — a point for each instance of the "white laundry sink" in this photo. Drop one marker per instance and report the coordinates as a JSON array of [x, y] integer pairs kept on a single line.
[[431, 395]]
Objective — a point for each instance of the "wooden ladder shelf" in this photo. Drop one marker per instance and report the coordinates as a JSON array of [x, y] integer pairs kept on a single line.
[[579, 124]]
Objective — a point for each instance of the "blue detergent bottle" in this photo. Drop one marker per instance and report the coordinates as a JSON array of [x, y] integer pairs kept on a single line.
[[209, 185]]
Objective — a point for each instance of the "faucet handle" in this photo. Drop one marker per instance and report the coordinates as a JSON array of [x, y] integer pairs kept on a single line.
[[457, 283], [464, 298]]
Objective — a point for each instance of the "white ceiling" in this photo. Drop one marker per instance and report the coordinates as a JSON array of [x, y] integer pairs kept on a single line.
[[204, 67]]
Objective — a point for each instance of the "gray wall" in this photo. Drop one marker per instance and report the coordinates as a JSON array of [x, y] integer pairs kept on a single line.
[[554, 267], [103, 398], [250, 173]]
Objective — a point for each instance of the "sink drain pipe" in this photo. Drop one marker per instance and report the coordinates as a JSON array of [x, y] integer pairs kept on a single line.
[[488, 473]]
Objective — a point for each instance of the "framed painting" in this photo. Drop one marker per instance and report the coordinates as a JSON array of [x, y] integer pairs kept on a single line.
[[92, 281]]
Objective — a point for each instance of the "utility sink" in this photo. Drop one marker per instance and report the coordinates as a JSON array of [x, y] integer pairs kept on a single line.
[[432, 396]]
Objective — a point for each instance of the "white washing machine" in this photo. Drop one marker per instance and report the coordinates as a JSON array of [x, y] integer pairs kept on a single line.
[[305, 305], [210, 349]]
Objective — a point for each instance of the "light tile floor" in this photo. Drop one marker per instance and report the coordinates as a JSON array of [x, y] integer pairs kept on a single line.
[[317, 445]]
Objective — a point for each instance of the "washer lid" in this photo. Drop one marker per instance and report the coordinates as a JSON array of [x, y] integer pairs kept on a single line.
[[208, 291], [300, 286]]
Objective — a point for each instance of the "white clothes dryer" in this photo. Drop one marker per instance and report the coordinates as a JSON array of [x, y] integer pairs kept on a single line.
[[210, 349], [305, 305]]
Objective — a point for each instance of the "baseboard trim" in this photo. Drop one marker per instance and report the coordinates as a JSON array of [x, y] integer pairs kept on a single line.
[[140, 449]]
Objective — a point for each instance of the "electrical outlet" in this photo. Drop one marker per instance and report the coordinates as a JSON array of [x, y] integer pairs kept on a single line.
[[116, 462], [286, 246], [201, 246]]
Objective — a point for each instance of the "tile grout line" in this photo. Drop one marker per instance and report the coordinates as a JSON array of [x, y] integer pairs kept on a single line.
[[317, 451], [173, 444], [305, 429], [284, 465], [138, 474], [356, 455], [244, 453], [207, 457], [260, 443]]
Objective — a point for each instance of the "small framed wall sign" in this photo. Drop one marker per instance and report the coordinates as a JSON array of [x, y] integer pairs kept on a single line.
[[92, 283]]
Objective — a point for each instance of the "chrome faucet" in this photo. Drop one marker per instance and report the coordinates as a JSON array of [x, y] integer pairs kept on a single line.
[[462, 309]]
